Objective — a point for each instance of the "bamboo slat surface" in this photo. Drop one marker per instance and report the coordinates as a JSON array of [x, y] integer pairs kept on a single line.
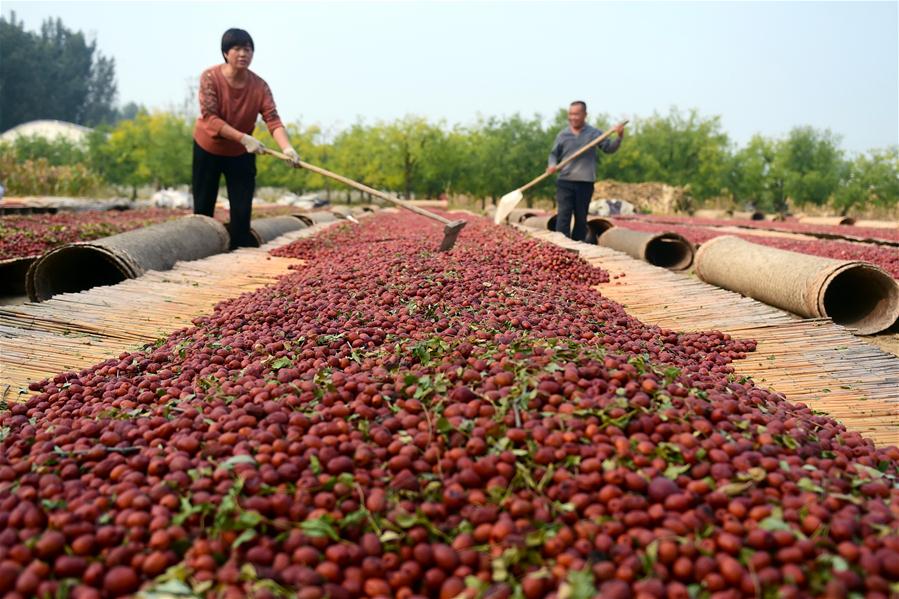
[[72, 331], [815, 362], [851, 233]]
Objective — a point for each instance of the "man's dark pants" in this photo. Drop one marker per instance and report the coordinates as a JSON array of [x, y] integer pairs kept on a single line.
[[573, 199], [240, 178]]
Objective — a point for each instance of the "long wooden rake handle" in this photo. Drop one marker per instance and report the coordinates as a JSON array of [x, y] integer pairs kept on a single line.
[[361, 187], [580, 151]]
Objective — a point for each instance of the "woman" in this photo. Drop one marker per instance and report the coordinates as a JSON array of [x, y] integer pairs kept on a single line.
[[231, 97]]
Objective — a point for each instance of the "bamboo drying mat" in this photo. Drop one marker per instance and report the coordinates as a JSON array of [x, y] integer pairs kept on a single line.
[[811, 361], [770, 231], [72, 331]]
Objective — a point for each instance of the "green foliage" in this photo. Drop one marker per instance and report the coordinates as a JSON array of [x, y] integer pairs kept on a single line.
[[578, 585], [872, 178], [151, 149], [511, 152], [446, 164], [401, 156], [273, 173], [57, 151], [406, 143], [812, 164], [753, 177], [486, 159], [678, 149], [54, 74], [39, 176]]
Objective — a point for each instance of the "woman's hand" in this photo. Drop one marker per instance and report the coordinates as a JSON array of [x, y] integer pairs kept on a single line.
[[294, 157], [253, 145]]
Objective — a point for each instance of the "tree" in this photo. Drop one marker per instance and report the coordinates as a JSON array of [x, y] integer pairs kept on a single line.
[[362, 154], [55, 74], [407, 142], [272, 172], [130, 111], [753, 177], [98, 106], [812, 165], [151, 149], [508, 153], [444, 167], [19, 53], [57, 151], [872, 178], [678, 149]]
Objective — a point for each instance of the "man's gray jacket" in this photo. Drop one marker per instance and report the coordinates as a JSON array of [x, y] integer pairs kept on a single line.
[[582, 168]]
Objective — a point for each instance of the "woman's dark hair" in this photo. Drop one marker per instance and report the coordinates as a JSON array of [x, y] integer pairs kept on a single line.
[[236, 37]]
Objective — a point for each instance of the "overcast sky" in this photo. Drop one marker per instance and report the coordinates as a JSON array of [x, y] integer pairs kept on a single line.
[[764, 67]]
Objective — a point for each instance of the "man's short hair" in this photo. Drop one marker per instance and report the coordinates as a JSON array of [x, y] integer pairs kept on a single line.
[[581, 103], [236, 37]]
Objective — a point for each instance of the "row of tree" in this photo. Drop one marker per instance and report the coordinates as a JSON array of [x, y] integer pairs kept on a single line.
[[55, 73], [416, 157]]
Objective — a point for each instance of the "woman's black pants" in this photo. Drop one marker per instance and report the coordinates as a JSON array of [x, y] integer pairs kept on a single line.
[[240, 178]]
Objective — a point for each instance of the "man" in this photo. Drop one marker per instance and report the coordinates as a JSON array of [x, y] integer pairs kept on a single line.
[[574, 187]]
